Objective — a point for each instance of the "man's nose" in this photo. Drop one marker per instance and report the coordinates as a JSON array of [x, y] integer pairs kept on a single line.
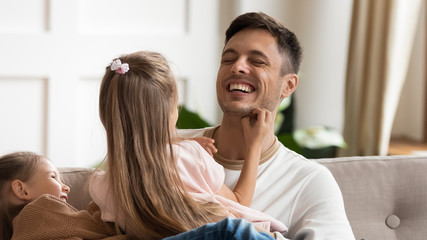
[[240, 66]]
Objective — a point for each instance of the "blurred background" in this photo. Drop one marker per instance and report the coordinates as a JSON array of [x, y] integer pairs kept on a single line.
[[363, 71]]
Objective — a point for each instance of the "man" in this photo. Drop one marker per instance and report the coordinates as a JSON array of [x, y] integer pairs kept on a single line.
[[259, 66]]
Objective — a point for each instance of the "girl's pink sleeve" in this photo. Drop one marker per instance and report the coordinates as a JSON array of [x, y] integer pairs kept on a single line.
[[99, 190], [199, 172]]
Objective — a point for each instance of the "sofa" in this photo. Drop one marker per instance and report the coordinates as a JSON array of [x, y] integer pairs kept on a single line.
[[385, 196]]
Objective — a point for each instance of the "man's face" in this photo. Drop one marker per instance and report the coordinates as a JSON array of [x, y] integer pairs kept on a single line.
[[249, 74]]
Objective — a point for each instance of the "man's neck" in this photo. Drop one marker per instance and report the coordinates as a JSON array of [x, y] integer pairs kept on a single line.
[[230, 141]]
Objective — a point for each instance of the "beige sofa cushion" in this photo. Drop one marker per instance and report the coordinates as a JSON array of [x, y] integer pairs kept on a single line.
[[384, 197], [76, 179]]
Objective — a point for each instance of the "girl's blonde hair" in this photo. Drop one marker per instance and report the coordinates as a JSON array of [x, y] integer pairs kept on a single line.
[[135, 109], [15, 166]]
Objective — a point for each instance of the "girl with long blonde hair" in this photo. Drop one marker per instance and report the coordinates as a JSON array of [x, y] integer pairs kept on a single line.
[[155, 185]]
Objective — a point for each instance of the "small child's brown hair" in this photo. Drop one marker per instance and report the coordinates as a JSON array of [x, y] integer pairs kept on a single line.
[[18, 165]]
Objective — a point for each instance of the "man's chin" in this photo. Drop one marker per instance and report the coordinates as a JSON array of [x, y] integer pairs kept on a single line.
[[237, 112]]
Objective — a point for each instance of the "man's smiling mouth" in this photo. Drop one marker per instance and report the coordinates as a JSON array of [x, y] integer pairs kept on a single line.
[[245, 88]]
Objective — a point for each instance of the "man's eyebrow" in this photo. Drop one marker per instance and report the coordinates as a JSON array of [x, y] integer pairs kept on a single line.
[[258, 53], [252, 52], [230, 50]]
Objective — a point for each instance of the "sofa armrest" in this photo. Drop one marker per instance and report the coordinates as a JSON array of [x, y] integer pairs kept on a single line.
[[385, 197]]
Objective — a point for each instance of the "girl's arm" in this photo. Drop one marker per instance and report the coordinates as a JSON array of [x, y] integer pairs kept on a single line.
[[254, 130]]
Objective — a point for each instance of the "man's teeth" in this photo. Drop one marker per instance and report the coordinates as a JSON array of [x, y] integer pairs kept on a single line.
[[241, 87]]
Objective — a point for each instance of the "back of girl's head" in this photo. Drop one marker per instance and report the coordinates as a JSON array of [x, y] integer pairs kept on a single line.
[[135, 108], [136, 105], [143, 94], [21, 166]]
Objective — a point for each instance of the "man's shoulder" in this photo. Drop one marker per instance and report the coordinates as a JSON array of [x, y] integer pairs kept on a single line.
[[296, 162]]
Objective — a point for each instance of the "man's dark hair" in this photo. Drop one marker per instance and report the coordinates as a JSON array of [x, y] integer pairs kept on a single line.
[[287, 42]]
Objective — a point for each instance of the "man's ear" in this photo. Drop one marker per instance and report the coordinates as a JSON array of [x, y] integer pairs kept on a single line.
[[20, 190], [289, 85]]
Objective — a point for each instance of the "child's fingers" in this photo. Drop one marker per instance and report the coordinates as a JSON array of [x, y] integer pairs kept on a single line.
[[207, 144], [268, 117], [209, 151], [204, 139], [256, 111], [212, 148], [262, 115], [245, 122]]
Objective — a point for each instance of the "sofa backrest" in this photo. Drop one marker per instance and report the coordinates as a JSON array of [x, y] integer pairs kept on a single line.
[[384, 197], [76, 179]]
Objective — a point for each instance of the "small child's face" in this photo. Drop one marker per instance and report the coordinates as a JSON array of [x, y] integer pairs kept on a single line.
[[47, 181]]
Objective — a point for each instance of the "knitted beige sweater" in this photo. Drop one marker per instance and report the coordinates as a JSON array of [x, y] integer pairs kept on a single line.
[[50, 218]]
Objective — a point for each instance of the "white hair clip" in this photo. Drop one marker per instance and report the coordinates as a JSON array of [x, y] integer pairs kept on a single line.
[[118, 67]]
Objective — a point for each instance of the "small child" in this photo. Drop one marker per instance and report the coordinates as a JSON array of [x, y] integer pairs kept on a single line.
[[156, 185], [34, 199]]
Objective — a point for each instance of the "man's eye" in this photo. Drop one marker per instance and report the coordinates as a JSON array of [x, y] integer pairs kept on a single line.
[[227, 60], [258, 62]]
